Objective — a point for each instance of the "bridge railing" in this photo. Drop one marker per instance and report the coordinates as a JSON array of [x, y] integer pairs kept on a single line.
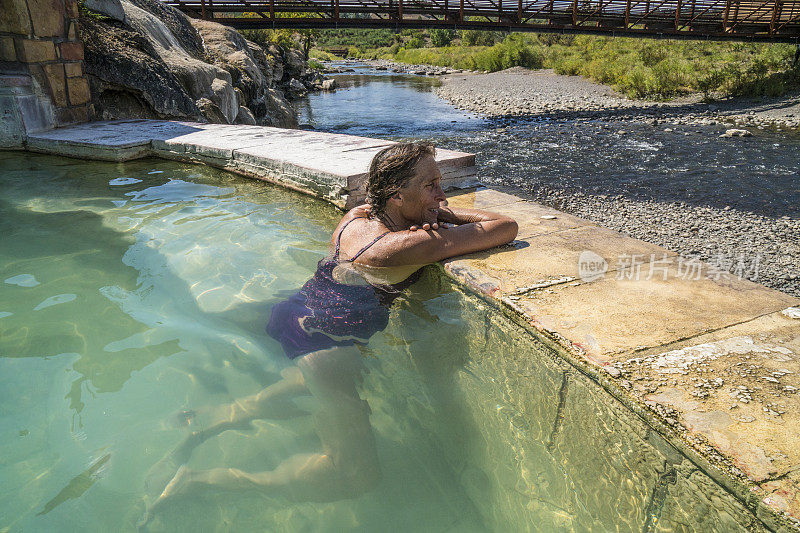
[[772, 20]]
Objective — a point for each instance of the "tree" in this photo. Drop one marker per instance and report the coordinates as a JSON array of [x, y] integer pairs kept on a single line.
[[302, 39]]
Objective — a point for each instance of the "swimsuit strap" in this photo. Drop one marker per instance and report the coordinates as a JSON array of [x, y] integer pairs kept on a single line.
[[339, 237], [364, 249], [361, 251]]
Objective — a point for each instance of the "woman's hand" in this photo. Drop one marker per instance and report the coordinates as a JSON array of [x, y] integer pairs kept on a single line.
[[447, 217], [427, 226]]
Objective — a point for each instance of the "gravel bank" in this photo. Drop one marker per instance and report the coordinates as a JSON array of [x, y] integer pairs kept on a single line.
[[520, 92], [764, 249]]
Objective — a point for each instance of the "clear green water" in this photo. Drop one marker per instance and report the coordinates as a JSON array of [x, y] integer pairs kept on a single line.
[[131, 291]]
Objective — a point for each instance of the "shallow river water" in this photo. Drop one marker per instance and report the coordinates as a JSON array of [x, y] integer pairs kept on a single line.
[[691, 164]]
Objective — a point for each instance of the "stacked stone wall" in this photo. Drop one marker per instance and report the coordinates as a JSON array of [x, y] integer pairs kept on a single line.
[[40, 38]]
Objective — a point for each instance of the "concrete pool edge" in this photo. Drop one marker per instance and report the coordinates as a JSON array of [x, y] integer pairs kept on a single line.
[[535, 281]]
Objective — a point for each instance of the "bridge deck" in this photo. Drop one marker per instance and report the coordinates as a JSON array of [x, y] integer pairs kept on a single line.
[[771, 20]]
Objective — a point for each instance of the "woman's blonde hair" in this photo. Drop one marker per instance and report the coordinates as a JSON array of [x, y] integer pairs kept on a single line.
[[391, 169]]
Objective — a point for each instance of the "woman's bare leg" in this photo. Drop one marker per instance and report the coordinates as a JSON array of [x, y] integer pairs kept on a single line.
[[272, 402], [255, 406], [348, 464]]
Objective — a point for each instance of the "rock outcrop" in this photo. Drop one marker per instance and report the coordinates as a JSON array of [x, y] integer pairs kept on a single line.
[[145, 59]]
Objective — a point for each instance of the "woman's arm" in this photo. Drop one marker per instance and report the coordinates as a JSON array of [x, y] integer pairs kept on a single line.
[[456, 216], [476, 230], [460, 215]]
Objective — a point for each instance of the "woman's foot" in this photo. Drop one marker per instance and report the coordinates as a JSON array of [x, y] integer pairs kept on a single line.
[[179, 484], [161, 473]]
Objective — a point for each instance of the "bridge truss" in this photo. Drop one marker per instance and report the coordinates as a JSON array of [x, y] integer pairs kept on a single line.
[[771, 20]]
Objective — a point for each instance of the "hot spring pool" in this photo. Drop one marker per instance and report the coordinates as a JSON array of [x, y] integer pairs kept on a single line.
[[133, 291]]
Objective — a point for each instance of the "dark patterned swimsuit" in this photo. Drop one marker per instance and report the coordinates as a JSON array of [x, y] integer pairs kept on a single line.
[[326, 313]]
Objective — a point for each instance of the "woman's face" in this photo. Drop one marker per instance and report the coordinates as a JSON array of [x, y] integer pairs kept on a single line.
[[421, 197]]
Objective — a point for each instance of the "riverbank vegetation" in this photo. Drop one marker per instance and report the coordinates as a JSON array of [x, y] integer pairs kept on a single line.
[[639, 68]]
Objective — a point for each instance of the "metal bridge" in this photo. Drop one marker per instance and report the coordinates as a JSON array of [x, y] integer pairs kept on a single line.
[[746, 20]]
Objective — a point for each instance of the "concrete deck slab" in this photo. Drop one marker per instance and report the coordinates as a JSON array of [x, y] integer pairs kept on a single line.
[[117, 140], [331, 166], [549, 255], [610, 316]]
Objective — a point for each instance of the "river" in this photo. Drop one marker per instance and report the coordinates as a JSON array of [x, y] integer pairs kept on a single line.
[[602, 158]]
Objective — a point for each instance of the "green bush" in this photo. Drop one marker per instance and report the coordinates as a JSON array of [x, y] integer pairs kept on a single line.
[[441, 37], [512, 52], [479, 38], [652, 53], [414, 42], [550, 39], [324, 55], [637, 82], [568, 66]]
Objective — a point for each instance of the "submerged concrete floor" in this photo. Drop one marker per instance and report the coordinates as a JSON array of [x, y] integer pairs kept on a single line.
[[709, 360]]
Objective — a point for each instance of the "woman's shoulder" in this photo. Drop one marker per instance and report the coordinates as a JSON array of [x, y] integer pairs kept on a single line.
[[356, 226], [359, 211]]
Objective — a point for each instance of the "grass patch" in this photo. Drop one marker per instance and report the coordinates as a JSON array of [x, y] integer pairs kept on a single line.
[[321, 55], [661, 69], [638, 68], [511, 52]]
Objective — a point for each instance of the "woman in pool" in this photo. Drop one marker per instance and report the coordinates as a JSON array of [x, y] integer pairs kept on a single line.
[[377, 249]]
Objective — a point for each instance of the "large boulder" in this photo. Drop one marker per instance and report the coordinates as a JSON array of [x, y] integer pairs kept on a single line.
[[279, 112], [252, 70], [211, 111], [153, 62], [109, 8], [127, 78], [178, 25], [245, 116], [200, 79], [294, 64], [297, 89]]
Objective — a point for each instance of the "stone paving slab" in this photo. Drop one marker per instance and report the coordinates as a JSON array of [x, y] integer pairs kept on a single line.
[[117, 140], [737, 387], [533, 218], [547, 258], [613, 316]]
